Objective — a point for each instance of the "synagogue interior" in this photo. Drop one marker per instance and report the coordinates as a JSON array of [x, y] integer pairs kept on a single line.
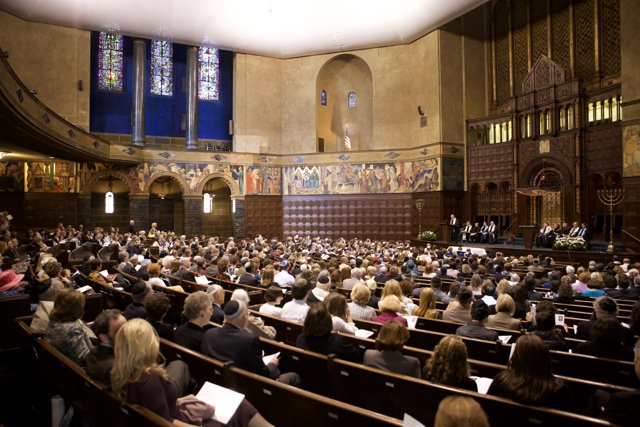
[[268, 137]]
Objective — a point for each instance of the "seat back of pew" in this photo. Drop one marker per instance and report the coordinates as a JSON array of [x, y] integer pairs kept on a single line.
[[286, 331], [592, 368], [396, 394], [312, 367], [201, 367], [94, 305], [302, 407], [10, 308]]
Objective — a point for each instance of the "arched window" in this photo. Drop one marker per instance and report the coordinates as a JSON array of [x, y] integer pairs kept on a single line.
[[323, 97], [208, 74], [161, 75], [110, 63], [352, 100]]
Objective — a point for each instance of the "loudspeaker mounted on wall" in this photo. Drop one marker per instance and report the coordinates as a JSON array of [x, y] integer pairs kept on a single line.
[[231, 127], [423, 117], [80, 88], [420, 110]]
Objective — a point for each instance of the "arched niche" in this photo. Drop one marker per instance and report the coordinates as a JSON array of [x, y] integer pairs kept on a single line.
[[98, 186], [345, 79], [166, 204], [219, 222]]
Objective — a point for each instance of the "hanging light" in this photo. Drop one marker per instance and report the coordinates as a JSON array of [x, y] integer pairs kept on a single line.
[[207, 203]]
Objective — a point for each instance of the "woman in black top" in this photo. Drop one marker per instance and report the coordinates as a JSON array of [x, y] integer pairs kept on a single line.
[[317, 336], [529, 379]]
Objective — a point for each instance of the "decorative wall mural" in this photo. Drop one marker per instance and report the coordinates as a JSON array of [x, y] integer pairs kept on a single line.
[[631, 161], [54, 177], [263, 180], [192, 173], [368, 178], [11, 176]]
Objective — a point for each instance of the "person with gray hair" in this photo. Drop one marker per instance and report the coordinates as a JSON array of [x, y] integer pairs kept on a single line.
[[232, 343], [255, 325], [198, 309], [217, 295], [356, 277]]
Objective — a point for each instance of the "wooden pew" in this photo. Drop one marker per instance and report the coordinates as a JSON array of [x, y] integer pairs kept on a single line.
[[395, 394], [286, 406], [89, 398], [10, 309]]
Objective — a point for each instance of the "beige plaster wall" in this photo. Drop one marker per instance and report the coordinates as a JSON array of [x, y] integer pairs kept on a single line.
[[257, 106], [403, 78], [50, 59]]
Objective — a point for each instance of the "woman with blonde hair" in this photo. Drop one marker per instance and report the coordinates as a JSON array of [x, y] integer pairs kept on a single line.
[[267, 276], [390, 306], [137, 378], [360, 296], [427, 307], [448, 365], [454, 411], [476, 285], [392, 287], [503, 319]]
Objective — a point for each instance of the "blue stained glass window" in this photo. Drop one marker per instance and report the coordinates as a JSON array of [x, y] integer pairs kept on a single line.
[[208, 74], [323, 97], [110, 62], [352, 100], [161, 75]]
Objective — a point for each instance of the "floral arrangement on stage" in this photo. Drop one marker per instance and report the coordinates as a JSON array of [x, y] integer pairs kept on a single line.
[[429, 235], [570, 243]]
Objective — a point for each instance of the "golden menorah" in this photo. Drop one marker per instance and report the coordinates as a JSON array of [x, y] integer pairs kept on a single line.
[[419, 206], [611, 197]]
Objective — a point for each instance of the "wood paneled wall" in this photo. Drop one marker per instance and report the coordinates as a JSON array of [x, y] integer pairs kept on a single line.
[[263, 216]]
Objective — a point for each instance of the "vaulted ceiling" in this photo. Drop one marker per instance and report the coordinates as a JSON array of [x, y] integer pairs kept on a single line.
[[275, 28]]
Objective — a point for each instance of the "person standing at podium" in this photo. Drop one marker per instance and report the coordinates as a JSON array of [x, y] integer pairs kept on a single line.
[[455, 228]]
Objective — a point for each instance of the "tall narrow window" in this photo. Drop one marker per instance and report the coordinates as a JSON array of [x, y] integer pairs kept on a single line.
[[598, 111], [208, 74], [615, 112], [110, 62], [323, 97], [161, 75], [570, 117], [606, 109], [563, 118], [591, 113]]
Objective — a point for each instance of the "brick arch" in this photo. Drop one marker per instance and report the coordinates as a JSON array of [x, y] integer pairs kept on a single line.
[[233, 186], [179, 179], [106, 172]]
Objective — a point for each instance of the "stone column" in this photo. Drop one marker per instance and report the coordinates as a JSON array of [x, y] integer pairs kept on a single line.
[[191, 135], [630, 82], [138, 128], [239, 229], [192, 215], [139, 211]]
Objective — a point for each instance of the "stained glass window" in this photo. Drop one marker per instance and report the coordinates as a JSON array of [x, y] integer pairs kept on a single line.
[[208, 74], [161, 75], [110, 63], [352, 100], [323, 97]]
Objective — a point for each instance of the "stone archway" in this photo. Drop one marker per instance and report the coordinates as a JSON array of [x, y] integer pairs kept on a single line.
[[220, 220], [91, 201], [344, 104], [166, 201]]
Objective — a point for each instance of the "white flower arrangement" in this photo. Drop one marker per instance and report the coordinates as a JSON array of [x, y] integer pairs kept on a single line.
[[570, 243], [429, 235]]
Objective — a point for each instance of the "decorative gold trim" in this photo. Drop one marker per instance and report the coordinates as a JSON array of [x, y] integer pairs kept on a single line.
[[511, 65], [572, 40]]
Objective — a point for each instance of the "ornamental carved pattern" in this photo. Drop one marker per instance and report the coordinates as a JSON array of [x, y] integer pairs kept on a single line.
[[528, 151]]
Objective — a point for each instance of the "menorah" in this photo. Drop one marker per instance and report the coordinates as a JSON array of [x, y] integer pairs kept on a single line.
[[611, 197], [419, 206]]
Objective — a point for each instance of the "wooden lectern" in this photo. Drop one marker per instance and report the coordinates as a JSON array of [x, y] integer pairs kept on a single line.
[[528, 233], [445, 231]]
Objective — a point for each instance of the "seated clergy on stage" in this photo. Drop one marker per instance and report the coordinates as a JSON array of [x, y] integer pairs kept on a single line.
[[465, 234], [488, 233], [545, 236], [474, 236]]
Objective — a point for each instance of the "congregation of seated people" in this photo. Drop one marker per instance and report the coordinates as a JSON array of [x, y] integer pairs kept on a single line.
[[328, 287]]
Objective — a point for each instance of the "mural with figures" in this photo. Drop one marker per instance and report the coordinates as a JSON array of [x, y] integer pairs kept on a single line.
[[346, 178], [262, 180], [192, 173], [342, 178]]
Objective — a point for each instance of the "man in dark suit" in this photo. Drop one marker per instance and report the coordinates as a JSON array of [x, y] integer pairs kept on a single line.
[[99, 361], [233, 343], [476, 329], [584, 232], [622, 408], [455, 224], [184, 272]]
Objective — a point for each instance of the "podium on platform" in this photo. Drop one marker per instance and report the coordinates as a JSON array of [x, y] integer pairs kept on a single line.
[[446, 230], [528, 234]]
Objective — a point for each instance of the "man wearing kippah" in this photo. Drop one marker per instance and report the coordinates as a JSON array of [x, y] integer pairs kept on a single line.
[[233, 343]]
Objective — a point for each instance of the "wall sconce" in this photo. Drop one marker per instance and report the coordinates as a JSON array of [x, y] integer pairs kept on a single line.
[[207, 203], [108, 202], [2, 154]]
